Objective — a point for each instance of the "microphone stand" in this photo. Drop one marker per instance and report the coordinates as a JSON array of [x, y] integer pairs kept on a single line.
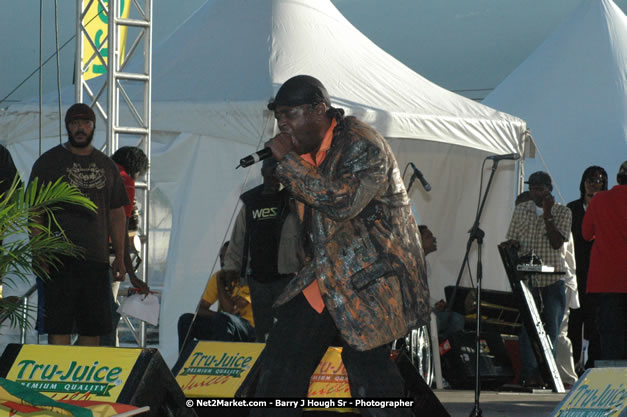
[[476, 234]]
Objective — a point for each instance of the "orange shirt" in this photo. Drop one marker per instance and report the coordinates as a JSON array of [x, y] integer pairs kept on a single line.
[[312, 291]]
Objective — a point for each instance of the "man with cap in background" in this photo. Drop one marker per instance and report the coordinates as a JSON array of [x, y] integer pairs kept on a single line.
[[605, 221], [583, 320], [542, 227], [363, 283], [77, 295], [264, 247]]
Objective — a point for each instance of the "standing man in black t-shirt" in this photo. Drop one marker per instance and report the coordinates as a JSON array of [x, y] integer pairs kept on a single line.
[[78, 292], [264, 246]]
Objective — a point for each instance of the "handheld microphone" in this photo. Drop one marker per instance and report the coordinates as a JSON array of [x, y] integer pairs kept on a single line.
[[253, 158], [418, 174], [512, 156]]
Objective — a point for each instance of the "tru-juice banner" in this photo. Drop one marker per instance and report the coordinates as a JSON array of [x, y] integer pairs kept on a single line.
[[63, 373], [217, 369]]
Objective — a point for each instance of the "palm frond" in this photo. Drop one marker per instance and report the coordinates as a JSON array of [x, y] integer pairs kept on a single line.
[[23, 252], [14, 310]]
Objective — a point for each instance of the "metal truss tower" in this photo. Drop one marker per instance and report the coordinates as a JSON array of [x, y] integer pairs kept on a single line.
[[128, 123]]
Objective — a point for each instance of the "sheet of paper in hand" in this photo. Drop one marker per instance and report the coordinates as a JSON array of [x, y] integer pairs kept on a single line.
[[140, 306]]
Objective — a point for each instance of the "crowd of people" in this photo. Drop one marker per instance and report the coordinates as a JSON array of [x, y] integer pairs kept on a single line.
[[327, 252]]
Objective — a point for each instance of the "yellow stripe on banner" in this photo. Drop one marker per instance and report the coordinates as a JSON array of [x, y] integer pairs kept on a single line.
[[96, 22]]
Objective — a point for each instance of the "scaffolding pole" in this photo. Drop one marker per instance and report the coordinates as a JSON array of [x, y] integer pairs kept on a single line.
[[129, 124]]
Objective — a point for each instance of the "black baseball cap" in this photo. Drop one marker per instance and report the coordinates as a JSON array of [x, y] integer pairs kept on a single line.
[[80, 111], [539, 178], [301, 89]]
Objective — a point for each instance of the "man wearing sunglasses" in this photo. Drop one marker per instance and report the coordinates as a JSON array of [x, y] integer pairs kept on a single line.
[[363, 283], [582, 323]]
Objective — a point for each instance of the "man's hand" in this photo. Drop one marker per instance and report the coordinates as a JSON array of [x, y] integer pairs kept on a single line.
[[555, 237], [139, 284], [227, 280], [118, 269], [547, 205], [240, 302], [280, 145]]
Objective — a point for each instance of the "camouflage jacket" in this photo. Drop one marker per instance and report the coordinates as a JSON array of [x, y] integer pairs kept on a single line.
[[366, 250]]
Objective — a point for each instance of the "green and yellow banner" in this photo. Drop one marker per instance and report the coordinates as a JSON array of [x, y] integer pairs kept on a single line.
[[217, 369], [96, 23], [599, 392], [73, 374]]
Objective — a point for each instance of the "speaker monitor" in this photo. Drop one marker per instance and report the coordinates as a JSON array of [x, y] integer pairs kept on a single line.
[[425, 401], [137, 377], [459, 360], [499, 309]]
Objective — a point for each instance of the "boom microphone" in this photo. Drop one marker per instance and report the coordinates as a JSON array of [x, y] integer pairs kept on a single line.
[[253, 158], [418, 174], [512, 156]]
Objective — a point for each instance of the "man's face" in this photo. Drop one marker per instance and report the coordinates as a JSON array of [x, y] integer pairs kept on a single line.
[[538, 192], [301, 122], [429, 243], [80, 132]]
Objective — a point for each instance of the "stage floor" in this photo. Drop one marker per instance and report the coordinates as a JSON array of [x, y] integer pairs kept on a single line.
[[499, 404]]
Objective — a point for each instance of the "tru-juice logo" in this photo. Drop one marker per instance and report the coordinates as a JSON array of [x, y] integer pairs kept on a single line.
[[95, 378], [231, 365]]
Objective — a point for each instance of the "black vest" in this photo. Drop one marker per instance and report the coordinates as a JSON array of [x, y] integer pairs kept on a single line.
[[265, 215]]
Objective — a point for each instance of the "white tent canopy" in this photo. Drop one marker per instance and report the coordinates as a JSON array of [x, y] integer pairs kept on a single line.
[[572, 91], [240, 52], [211, 82]]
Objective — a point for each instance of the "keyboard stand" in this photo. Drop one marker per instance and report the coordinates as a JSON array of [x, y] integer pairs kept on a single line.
[[540, 341]]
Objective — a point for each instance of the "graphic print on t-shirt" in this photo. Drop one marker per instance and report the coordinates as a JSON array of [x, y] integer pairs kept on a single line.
[[86, 178]]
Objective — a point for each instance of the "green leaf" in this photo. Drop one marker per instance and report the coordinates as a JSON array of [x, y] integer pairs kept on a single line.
[[27, 215]]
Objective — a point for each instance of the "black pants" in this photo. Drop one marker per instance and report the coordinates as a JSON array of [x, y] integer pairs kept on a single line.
[[297, 342], [611, 322], [222, 327], [262, 296], [582, 324]]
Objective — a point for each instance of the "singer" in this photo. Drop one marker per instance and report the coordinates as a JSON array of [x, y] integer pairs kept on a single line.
[[363, 281]]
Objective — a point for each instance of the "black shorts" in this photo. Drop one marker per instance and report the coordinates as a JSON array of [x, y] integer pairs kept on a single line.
[[78, 298]]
